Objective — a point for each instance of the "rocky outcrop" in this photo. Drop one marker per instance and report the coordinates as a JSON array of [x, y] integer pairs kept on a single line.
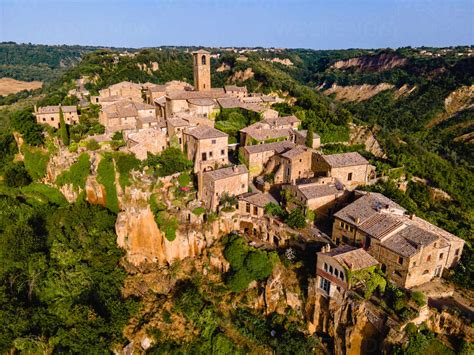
[[241, 75], [366, 136], [280, 291], [357, 92], [143, 241], [224, 67], [355, 326], [378, 63]]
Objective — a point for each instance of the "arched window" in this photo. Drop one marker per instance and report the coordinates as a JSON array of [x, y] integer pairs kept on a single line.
[[203, 60]]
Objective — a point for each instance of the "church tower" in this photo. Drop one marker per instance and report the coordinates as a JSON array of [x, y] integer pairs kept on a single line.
[[202, 70]]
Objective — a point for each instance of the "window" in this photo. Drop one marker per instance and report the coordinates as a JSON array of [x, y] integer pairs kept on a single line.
[[44, 119], [341, 276], [203, 60], [398, 273], [255, 210], [426, 272], [210, 154], [457, 252], [243, 186], [203, 157], [414, 264], [336, 272], [301, 160], [441, 256], [222, 151], [400, 260], [330, 269], [180, 140], [247, 208], [428, 258], [325, 267], [213, 141], [324, 285], [349, 177]]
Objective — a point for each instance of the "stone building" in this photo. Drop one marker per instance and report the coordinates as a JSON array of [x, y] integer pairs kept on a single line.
[[202, 70], [214, 184], [125, 90], [334, 268], [253, 203], [201, 103], [321, 196], [269, 130], [257, 156], [411, 251], [300, 138], [50, 115], [293, 165], [206, 146], [351, 169], [128, 115], [236, 91], [146, 140]]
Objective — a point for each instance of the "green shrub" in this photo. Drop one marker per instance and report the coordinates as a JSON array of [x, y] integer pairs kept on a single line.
[[106, 177], [36, 161], [77, 173], [42, 193], [419, 298], [247, 264], [168, 224], [16, 175], [92, 145], [199, 211], [125, 163], [184, 179], [296, 219]]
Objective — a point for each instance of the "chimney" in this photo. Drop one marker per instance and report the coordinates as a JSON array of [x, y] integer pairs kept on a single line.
[[357, 220], [412, 216]]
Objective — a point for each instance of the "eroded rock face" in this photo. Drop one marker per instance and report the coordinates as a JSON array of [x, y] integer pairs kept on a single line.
[[143, 241], [381, 62], [353, 325]]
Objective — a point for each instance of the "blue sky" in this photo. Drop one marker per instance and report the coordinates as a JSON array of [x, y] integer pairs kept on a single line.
[[319, 24]]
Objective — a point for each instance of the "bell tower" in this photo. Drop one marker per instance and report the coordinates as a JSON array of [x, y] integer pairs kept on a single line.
[[202, 70]]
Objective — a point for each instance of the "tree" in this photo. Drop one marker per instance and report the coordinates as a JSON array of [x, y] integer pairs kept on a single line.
[[16, 175], [296, 219], [63, 128], [172, 160], [309, 137]]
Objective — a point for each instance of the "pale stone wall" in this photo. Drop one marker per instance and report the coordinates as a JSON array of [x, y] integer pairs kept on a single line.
[[147, 112], [204, 111], [299, 167], [52, 119], [249, 209], [359, 172], [175, 106], [214, 149], [257, 161], [147, 140], [343, 232], [213, 190]]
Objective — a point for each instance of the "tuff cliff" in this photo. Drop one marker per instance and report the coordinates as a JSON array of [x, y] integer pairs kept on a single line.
[[378, 63]]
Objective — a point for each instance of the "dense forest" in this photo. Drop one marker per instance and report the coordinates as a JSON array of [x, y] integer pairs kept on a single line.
[[61, 275]]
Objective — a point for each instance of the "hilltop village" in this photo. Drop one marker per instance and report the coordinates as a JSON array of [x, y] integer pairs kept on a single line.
[[269, 182]]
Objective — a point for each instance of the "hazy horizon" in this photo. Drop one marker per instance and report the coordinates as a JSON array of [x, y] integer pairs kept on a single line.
[[368, 24]]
